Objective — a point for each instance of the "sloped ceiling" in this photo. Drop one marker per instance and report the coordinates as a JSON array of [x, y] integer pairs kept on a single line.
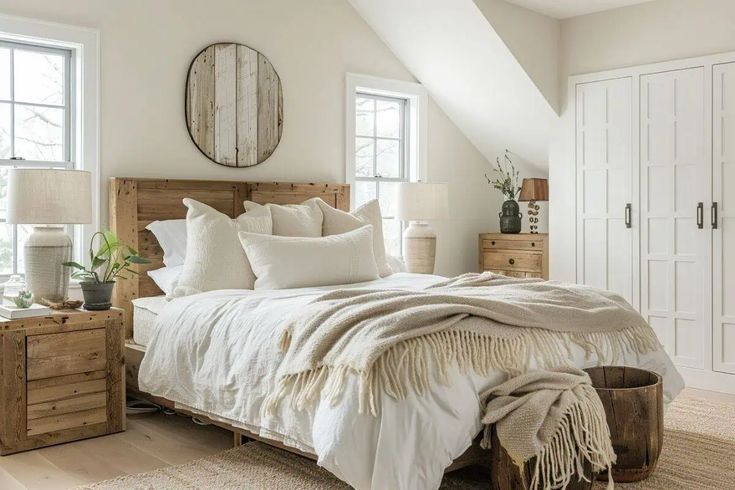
[[453, 50]]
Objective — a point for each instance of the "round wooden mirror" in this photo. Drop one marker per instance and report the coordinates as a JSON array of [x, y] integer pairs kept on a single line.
[[234, 105]]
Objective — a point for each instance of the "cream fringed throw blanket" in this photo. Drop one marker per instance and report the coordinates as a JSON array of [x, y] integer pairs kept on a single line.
[[554, 416], [478, 321]]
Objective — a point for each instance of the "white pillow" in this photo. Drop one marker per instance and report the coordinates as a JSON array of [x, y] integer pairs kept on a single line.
[[337, 221], [214, 256], [303, 219], [166, 278], [297, 262], [171, 236]]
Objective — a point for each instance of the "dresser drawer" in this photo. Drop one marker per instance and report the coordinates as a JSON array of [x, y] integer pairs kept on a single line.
[[61, 354], [511, 261], [500, 244]]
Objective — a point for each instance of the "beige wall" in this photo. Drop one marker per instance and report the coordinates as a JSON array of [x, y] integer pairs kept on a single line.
[[656, 31], [146, 47]]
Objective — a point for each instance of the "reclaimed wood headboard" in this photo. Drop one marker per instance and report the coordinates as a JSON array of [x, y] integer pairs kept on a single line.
[[134, 203]]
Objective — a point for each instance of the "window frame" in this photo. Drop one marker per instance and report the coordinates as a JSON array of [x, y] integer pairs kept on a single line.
[[414, 129], [83, 109]]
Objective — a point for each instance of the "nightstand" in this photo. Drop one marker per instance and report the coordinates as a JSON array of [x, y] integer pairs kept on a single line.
[[515, 255], [61, 378]]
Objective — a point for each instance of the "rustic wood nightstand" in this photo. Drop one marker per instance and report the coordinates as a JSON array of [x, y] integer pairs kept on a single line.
[[61, 378], [515, 255]]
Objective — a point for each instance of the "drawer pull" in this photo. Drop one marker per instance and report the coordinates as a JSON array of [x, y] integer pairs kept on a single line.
[[511, 261], [533, 244], [493, 242]]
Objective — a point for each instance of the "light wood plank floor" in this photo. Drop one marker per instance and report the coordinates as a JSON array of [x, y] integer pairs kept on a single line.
[[151, 441]]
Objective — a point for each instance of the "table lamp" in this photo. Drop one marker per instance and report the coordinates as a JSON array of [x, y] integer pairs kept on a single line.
[[48, 199], [419, 202], [535, 191]]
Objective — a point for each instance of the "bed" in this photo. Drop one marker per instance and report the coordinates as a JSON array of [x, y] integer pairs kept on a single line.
[[358, 450]]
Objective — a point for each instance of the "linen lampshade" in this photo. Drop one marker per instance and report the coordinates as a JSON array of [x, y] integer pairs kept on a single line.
[[47, 196], [534, 190], [422, 202]]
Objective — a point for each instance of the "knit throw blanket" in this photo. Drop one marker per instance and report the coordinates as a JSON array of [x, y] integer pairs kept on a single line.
[[475, 321], [554, 416]]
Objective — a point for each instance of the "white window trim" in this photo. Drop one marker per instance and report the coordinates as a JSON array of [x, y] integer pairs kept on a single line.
[[84, 42], [417, 133]]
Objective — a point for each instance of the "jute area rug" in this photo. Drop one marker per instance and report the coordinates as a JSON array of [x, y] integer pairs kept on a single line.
[[698, 453]]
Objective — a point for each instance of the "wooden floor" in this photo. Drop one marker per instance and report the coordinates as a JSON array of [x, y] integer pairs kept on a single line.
[[151, 441]]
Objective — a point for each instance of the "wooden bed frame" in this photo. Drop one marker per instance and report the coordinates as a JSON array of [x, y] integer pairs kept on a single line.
[[135, 203]]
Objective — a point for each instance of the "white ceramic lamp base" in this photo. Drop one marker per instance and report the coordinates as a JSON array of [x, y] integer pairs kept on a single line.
[[419, 248], [45, 250]]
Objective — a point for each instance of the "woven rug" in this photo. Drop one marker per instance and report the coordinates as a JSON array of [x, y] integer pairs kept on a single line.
[[699, 446]]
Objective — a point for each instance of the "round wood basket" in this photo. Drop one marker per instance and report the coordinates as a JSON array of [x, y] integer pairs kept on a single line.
[[633, 401]]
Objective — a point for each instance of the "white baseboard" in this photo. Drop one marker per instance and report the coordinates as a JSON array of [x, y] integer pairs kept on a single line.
[[708, 380]]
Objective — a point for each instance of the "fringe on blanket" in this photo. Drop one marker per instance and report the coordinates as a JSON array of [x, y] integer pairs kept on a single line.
[[583, 435], [405, 366]]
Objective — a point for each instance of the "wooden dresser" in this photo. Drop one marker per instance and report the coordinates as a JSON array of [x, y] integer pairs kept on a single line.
[[61, 378], [515, 255]]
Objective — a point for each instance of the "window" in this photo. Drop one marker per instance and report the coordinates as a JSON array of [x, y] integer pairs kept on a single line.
[[35, 125], [385, 136]]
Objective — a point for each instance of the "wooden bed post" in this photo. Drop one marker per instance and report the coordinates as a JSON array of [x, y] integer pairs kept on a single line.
[[124, 223]]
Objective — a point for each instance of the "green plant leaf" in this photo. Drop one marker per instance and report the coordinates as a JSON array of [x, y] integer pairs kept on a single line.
[[136, 259], [74, 265]]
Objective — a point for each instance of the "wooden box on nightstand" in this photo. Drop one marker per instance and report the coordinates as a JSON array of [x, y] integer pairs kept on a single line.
[[515, 255], [61, 378]]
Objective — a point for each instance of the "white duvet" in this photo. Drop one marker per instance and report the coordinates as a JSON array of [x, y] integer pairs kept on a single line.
[[217, 353]]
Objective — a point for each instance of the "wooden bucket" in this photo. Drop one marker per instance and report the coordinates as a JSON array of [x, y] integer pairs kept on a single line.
[[633, 401], [507, 476]]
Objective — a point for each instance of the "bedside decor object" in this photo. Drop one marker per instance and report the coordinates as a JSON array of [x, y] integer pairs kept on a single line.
[[536, 191], [234, 105], [420, 202], [24, 299], [17, 312], [517, 255], [111, 260], [63, 378], [48, 199], [506, 182]]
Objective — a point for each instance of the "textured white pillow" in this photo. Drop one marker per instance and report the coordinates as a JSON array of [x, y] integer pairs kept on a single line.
[[214, 256], [298, 262], [337, 221], [166, 278], [171, 236], [303, 219]]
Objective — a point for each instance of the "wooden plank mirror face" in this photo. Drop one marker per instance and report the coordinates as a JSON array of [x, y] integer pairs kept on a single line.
[[234, 105]]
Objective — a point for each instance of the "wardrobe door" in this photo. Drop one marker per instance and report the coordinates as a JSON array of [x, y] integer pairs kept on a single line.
[[723, 194], [675, 234], [605, 231]]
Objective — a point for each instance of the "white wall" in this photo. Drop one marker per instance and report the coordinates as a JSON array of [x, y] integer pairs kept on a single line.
[[646, 33], [146, 47], [533, 38]]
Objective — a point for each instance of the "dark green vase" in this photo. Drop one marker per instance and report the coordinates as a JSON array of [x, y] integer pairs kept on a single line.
[[510, 217]]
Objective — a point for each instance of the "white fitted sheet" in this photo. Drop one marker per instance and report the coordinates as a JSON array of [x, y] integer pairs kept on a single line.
[[145, 312]]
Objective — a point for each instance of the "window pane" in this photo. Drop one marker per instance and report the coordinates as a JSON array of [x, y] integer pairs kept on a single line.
[[6, 248], [3, 191], [387, 198], [4, 73], [365, 113], [364, 192], [39, 77], [364, 157], [388, 158], [39, 133], [392, 234], [5, 131], [388, 118]]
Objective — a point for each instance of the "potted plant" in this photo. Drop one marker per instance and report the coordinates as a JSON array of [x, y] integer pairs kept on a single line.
[[110, 262], [506, 181]]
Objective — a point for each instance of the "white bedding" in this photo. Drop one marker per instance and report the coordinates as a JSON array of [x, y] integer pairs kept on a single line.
[[222, 356], [145, 312]]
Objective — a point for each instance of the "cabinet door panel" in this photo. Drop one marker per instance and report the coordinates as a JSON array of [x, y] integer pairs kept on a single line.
[[723, 266], [604, 158], [675, 176]]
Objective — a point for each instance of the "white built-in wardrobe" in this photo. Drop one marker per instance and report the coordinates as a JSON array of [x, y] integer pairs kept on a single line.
[[655, 203]]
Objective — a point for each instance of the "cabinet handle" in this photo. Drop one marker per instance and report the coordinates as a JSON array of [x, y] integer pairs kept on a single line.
[[713, 213], [533, 244], [511, 261], [629, 215], [493, 242], [700, 215]]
